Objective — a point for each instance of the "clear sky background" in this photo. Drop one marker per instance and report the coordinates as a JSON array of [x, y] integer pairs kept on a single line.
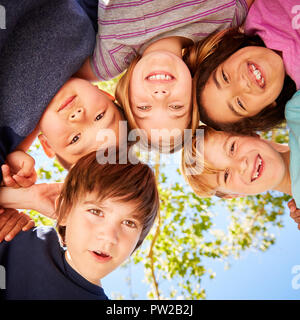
[[256, 275]]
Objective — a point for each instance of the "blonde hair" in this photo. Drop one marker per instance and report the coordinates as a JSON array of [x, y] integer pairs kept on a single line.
[[195, 175], [122, 95]]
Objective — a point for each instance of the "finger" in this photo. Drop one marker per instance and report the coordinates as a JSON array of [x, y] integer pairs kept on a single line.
[[4, 218], [295, 214], [7, 179], [15, 228], [9, 225], [27, 167], [30, 224], [24, 181], [292, 205], [297, 220]]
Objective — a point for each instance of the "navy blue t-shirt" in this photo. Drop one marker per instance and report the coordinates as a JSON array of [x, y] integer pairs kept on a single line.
[[43, 45], [36, 269]]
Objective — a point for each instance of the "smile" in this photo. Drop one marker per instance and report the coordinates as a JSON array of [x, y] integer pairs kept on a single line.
[[258, 168], [101, 256], [257, 76], [160, 76], [67, 103]]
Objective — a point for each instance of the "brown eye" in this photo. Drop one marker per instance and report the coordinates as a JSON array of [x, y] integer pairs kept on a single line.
[[226, 174], [75, 139], [225, 77], [99, 116]]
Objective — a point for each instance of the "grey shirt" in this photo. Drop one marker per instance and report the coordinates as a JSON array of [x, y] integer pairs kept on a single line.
[[126, 28]]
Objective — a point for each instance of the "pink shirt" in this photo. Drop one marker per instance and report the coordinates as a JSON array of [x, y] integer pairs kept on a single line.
[[277, 22]]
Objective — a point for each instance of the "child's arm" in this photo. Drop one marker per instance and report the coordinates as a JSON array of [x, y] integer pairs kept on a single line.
[[19, 170], [294, 212], [38, 197], [86, 71], [12, 222]]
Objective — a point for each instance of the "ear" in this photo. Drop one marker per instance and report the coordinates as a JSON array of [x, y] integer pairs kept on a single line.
[[47, 149], [108, 94]]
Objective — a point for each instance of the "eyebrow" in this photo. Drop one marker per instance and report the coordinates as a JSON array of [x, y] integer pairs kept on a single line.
[[230, 106]]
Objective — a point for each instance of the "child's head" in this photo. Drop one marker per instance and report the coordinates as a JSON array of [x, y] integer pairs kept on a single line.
[[104, 213], [233, 165], [156, 93], [72, 123], [241, 85]]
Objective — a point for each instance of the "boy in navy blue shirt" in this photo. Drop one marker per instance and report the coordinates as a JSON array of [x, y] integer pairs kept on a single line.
[[104, 212]]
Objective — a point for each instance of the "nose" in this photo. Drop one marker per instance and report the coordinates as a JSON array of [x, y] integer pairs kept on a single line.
[[244, 84], [160, 92], [242, 165], [108, 234], [76, 115]]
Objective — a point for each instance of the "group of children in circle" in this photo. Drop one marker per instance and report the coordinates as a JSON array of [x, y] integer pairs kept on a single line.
[[238, 75]]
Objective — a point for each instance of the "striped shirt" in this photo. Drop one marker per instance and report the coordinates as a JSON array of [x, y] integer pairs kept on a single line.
[[127, 27]]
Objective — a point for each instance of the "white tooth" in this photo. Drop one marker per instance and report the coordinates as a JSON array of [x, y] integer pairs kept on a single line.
[[253, 67], [257, 74]]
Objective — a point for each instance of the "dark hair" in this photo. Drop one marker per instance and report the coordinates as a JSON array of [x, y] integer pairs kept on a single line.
[[228, 43], [129, 182]]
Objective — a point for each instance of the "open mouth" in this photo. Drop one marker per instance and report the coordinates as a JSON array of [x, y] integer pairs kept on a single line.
[[160, 76], [101, 256], [66, 103], [258, 168], [256, 74]]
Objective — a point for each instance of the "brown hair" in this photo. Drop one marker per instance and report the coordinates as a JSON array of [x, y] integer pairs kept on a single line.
[[122, 95], [208, 55], [194, 174], [127, 182]]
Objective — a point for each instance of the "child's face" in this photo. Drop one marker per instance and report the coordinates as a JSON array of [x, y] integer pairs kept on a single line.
[[74, 117], [100, 236], [244, 84], [249, 165], [160, 92]]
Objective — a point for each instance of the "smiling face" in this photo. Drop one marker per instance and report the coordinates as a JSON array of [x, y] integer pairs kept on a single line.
[[74, 118], [248, 165], [160, 92], [244, 84], [100, 235]]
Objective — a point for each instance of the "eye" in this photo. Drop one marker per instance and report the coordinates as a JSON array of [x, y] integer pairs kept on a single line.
[[130, 223], [240, 104], [175, 106], [75, 138], [226, 175], [96, 212], [225, 77], [144, 108], [99, 116], [232, 147]]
